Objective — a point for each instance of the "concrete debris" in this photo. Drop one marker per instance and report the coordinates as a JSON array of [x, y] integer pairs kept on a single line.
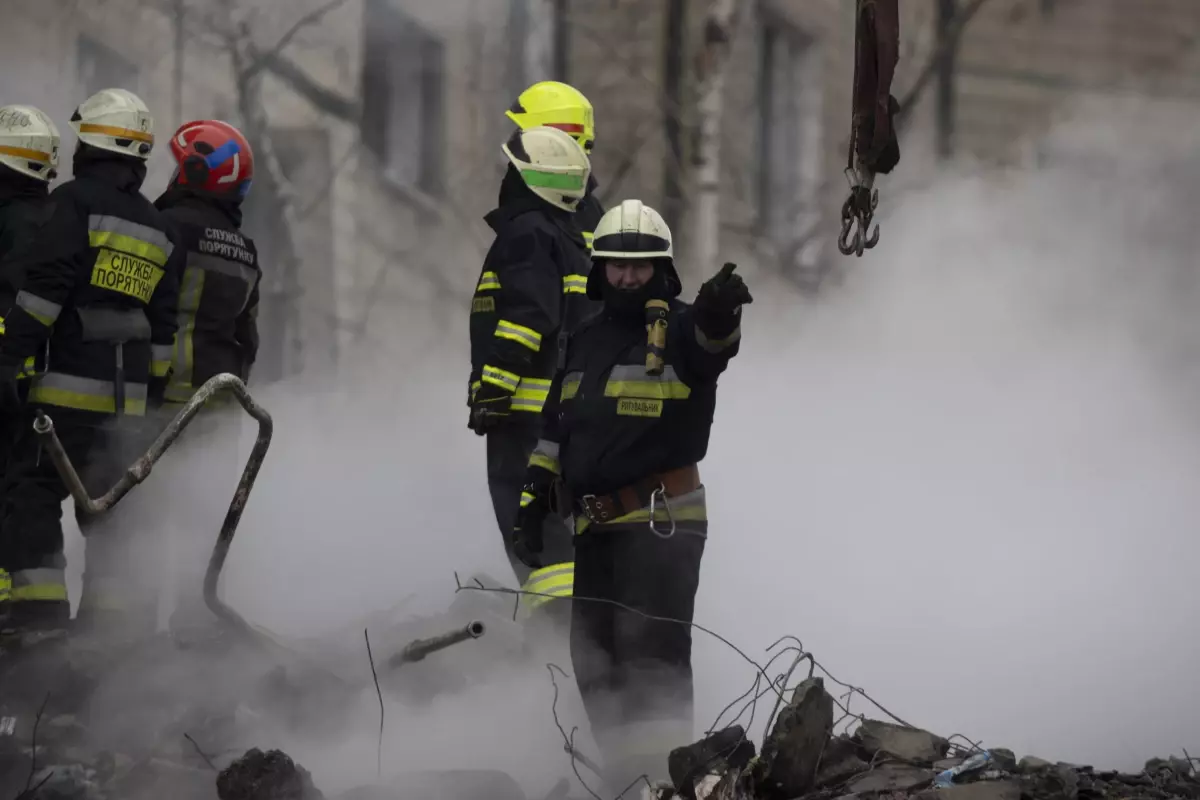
[[891, 778], [896, 741], [792, 752], [981, 790], [146, 739], [718, 753], [886, 761], [266, 776], [840, 763]]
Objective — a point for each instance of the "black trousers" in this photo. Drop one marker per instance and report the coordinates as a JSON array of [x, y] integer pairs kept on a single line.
[[508, 451], [635, 673], [100, 446]]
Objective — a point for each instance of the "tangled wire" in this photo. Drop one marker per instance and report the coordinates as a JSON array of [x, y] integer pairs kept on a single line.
[[779, 683]]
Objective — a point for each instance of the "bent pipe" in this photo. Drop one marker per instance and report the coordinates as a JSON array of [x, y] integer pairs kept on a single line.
[[43, 426], [417, 649]]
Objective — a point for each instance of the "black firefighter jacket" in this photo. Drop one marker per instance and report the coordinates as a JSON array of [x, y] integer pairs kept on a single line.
[[23, 209], [533, 286], [589, 211], [218, 295], [608, 424], [100, 283]]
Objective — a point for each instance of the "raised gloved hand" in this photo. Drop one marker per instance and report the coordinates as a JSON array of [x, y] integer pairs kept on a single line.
[[489, 408], [10, 400], [719, 301], [535, 506]]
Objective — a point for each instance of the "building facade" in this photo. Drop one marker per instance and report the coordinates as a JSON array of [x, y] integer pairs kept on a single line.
[[386, 119]]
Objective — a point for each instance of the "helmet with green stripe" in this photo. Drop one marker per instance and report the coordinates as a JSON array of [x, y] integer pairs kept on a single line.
[[551, 163]]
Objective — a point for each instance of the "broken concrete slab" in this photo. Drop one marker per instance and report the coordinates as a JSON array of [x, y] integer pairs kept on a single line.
[[1033, 764], [716, 753], [908, 744], [947, 763], [792, 753], [981, 790], [892, 778], [1003, 758], [839, 763]]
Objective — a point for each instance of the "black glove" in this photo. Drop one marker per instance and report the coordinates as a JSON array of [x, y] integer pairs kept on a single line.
[[720, 300], [10, 400], [489, 408], [535, 507]]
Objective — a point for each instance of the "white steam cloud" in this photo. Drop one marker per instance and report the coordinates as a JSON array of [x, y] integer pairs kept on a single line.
[[966, 479]]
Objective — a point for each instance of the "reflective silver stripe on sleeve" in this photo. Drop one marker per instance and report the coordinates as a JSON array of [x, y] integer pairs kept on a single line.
[[546, 448], [39, 577], [145, 233], [161, 352], [41, 309]]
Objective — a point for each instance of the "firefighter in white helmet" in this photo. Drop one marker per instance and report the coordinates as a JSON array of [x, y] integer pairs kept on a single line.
[[29, 143], [532, 289], [627, 422], [99, 289]]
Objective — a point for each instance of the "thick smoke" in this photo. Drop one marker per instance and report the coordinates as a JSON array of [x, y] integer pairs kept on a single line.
[[966, 479]]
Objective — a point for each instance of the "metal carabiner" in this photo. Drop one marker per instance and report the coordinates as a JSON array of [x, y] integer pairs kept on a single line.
[[661, 490], [857, 212]]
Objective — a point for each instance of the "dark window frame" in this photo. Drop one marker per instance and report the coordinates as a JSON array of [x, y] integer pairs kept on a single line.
[[402, 58]]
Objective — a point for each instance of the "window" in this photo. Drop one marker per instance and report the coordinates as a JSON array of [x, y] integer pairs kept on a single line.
[[403, 85], [98, 66], [790, 103]]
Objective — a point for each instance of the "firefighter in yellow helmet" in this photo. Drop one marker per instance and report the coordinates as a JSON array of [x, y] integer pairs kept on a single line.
[[562, 106]]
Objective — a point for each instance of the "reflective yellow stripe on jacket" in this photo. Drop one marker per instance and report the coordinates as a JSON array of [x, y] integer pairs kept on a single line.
[[548, 583], [86, 394], [529, 394], [183, 355]]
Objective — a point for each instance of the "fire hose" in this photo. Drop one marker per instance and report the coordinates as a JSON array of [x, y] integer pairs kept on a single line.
[[137, 472]]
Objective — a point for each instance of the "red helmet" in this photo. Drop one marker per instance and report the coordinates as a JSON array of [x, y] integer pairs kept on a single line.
[[212, 156]]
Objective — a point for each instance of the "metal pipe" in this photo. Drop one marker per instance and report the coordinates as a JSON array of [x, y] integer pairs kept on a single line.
[[43, 426], [419, 648]]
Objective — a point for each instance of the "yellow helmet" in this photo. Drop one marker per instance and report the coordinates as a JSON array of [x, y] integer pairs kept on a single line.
[[556, 105]]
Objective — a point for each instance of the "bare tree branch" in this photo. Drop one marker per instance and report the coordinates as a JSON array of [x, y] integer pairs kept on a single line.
[[941, 49], [311, 18], [329, 101]]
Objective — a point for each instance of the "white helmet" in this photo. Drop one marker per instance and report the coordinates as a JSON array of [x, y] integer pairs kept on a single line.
[[29, 142], [633, 230], [115, 120], [552, 164]]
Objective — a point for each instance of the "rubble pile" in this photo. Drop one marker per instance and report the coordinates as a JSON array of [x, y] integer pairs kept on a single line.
[[81, 742], [802, 759]]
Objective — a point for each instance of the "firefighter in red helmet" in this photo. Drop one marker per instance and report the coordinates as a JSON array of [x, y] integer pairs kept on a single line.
[[218, 310]]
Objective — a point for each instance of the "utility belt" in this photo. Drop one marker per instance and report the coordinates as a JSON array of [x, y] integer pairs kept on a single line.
[[649, 491]]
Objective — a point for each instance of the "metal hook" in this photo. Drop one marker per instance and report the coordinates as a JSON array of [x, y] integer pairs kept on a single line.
[[661, 491]]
